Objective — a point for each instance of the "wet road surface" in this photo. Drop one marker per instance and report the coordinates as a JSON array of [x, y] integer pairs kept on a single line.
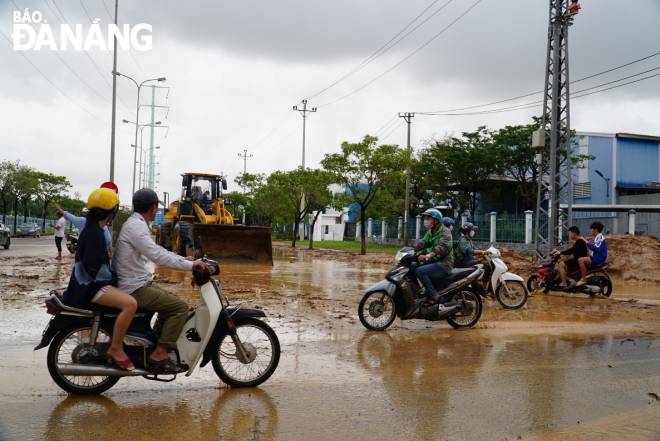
[[562, 368]]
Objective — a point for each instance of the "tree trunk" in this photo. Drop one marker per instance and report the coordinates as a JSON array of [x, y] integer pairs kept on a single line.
[[4, 209], [311, 230], [25, 210], [363, 232], [296, 227], [43, 219], [15, 213]]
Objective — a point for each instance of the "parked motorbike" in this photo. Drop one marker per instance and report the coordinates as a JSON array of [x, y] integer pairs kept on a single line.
[[243, 350], [509, 289], [400, 294], [546, 277], [72, 241]]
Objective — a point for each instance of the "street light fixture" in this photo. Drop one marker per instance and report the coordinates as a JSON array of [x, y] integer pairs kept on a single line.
[[137, 110], [607, 183]]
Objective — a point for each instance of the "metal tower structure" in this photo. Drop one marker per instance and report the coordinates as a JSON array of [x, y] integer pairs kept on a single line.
[[553, 139]]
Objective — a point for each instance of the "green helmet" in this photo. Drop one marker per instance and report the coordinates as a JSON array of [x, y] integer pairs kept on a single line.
[[434, 213]]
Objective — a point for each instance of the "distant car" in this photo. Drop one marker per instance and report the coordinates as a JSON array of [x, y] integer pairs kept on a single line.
[[29, 230], [5, 236]]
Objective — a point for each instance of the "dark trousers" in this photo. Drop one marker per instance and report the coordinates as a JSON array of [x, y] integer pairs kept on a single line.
[[58, 243], [428, 274]]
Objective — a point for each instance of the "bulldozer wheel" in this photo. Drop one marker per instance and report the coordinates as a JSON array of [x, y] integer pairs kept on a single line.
[[165, 236], [182, 238]]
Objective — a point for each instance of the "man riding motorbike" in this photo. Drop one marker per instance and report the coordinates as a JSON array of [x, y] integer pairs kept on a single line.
[[571, 255], [598, 250], [133, 260], [435, 260]]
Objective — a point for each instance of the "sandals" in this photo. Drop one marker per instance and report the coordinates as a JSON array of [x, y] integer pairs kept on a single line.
[[124, 365], [165, 366]]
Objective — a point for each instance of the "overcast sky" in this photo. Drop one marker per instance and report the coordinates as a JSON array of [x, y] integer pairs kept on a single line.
[[235, 69]]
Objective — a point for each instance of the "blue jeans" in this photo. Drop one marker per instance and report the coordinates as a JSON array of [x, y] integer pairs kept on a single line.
[[427, 274]]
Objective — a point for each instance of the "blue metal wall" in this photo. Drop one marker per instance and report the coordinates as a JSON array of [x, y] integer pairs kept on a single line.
[[637, 162], [601, 148]]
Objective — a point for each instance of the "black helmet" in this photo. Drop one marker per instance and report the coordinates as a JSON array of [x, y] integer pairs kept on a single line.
[[144, 199]]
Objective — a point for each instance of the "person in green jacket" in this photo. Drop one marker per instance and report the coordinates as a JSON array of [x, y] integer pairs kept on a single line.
[[435, 260]]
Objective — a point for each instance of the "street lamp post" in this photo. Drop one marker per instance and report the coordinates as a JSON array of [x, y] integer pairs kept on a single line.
[[607, 184], [137, 110]]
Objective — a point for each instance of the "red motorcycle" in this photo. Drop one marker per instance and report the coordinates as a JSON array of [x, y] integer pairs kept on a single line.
[[546, 277]]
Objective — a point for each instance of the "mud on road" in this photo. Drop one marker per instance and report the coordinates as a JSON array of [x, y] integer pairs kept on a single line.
[[563, 367]]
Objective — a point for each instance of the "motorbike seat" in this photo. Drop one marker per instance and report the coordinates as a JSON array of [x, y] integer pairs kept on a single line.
[[601, 267], [57, 301], [457, 274]]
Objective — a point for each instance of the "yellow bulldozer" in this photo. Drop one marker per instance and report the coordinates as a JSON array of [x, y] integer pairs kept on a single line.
[[199, 223]]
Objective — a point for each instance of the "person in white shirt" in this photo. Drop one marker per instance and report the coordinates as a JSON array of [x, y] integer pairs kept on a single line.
[[133, 261], [59, 226]]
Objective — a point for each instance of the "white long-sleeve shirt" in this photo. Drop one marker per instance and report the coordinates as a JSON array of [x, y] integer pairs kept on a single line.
[[136, 253]]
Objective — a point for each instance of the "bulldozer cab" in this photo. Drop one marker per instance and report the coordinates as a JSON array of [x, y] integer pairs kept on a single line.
[[201, 189]]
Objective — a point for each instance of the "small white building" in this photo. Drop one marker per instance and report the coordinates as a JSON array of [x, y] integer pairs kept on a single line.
[[330, 225]]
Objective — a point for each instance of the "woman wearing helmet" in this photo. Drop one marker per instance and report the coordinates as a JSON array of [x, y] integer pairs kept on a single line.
[[466, 251], [435, 259], [448, 222], [92, 277]]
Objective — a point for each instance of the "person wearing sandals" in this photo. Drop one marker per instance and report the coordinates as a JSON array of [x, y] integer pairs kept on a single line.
[[135, 255], [92, 278]]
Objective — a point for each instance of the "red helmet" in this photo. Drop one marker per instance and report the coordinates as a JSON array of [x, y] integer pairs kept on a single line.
[[111, 185]]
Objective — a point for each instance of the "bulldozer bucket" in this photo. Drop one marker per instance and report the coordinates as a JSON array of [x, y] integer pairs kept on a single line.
[[234, 242]]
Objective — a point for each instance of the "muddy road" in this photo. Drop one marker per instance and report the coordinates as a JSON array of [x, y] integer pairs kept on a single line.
[[562, 368]]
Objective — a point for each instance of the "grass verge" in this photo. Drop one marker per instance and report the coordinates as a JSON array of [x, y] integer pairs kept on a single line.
[[340, 245]]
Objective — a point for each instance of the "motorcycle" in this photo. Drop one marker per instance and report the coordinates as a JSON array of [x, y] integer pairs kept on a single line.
[[243, 350], [401, 294], [509, 289], [546, 277], [72, 241]]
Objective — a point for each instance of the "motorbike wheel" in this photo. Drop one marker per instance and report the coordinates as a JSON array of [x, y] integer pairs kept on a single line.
[[263, 352], [377, 311], [467, 321], [606, 286], [534, 283], [513, 295], [63, 350]]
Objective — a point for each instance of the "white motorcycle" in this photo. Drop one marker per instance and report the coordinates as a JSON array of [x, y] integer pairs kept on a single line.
[[244, 350], [509, 289]]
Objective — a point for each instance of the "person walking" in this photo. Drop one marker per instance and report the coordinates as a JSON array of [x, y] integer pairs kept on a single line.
[[59, 226]]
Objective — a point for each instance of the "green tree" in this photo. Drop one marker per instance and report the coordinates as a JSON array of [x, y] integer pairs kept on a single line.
[[363, 168], [25, 187], [7, 181], [49, 187], [282, 196]]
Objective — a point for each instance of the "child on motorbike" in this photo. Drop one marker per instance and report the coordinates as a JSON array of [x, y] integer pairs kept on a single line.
[[598, 250], [92, 278]]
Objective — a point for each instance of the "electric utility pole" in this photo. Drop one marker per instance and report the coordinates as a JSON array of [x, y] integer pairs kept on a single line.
[[245, 157], [303, 112], [407, 117], [554, 160], [114, 101], [150, 167]]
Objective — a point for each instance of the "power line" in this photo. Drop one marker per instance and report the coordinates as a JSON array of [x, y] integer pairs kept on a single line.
[[49, 80], [404, 59], [574, 95], [475, 106], [393, 129], [385, 47], [387, 124]]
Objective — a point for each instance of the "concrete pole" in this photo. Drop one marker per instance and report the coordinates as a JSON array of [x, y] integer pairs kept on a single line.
[[358, 229], [399, 229], [528, 226], [370, 227], [114, 107], [632, 214], [152, 151], [418, 227], [560, 225], [464, 218], [493, 226], [406, 204], [383, 230]]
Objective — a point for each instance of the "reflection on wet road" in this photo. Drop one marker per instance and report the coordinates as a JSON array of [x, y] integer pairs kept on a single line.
[[563, 368]]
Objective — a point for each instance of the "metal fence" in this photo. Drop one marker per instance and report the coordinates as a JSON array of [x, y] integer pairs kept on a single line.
[[29, 220]]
